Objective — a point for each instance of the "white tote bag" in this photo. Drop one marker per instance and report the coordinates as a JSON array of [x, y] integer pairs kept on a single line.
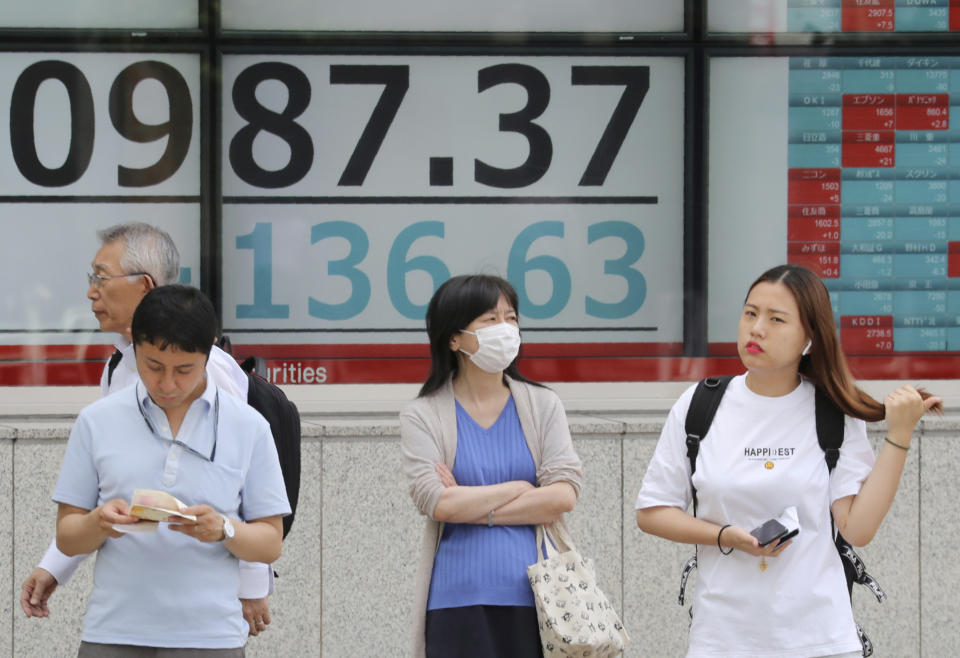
[[574, 616]]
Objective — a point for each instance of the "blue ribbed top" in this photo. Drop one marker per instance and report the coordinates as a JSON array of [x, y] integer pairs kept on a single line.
[[475, 564]]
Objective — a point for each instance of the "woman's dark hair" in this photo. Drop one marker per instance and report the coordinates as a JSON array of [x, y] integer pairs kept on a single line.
[[180, 316], [455, 304], [825, 366]]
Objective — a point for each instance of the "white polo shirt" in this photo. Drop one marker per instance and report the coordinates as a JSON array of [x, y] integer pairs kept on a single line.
[[760, 456], [166, 589]]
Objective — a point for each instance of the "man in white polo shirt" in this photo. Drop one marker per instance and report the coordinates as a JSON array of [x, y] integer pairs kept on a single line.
[[133, 259], [175, 431]]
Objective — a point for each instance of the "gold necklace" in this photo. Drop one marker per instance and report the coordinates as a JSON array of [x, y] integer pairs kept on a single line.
[[763, 563]]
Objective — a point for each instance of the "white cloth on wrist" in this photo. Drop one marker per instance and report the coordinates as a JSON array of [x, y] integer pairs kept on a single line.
[[60, 566], [256, 580]]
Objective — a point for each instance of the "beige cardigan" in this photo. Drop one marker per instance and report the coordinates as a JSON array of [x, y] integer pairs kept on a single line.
[[428, 434]]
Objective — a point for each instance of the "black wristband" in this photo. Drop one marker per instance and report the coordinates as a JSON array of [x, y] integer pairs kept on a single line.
[[718, 541]]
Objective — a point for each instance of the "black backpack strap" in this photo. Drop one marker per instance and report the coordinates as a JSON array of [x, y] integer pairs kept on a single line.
[[254, 365], [688, 567], [284, 420], [703, 407], [223, 342], [830, 430], [830, 424], [114, 362]]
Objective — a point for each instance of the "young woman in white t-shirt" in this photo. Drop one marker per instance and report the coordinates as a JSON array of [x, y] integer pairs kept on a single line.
[[759, 458]]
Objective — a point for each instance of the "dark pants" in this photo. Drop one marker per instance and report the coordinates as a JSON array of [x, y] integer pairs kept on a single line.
[[95, 650], [483, 631]]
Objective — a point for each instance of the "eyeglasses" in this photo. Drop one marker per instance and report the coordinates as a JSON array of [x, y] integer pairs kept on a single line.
[[96, 280], [193, 451]]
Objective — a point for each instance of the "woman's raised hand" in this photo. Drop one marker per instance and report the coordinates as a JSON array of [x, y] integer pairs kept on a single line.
[[904, 408]]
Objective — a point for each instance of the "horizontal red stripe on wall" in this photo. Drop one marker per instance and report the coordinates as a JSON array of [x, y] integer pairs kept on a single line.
[[357, 351], [55, 352], [50, 373], [569, 369], [408, 370], [560, 362]]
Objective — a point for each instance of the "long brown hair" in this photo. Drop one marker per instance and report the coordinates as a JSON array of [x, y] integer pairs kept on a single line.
[[825, 366]]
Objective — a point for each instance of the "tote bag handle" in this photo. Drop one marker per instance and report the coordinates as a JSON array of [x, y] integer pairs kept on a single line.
[[555, 539]]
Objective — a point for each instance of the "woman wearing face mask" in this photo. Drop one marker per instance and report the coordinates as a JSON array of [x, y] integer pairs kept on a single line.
[[488, 456], [760, 458]]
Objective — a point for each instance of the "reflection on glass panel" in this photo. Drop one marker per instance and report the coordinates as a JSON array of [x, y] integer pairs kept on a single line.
[[833, 16], [747, 181], [619, 16], [95, 139], [103, 14], [753, 16], [848, 166]]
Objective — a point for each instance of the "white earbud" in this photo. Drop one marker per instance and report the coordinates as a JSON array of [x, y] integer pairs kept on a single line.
[[806, 349]]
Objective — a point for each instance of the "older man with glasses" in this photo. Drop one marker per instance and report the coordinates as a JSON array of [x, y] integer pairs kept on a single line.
[[132, 260]]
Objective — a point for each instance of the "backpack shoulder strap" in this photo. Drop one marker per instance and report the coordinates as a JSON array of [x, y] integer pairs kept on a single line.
[[703, 407], [254, 365], [284, 419], [830, 430], [830, 426], [224, 343], [115, 359]]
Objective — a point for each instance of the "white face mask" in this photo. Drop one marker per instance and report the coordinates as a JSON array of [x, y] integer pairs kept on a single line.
[[498, 346]]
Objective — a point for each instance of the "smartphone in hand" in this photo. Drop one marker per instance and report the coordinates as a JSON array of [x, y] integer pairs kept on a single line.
[[770, 532], [778, 530]]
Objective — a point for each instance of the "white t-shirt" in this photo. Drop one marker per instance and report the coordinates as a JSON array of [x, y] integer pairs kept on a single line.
[[759, 457]]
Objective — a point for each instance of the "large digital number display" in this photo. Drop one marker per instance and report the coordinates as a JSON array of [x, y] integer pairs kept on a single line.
[[349, 185], [100, 124], [89, 140], [354, 186], [616, 16]]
